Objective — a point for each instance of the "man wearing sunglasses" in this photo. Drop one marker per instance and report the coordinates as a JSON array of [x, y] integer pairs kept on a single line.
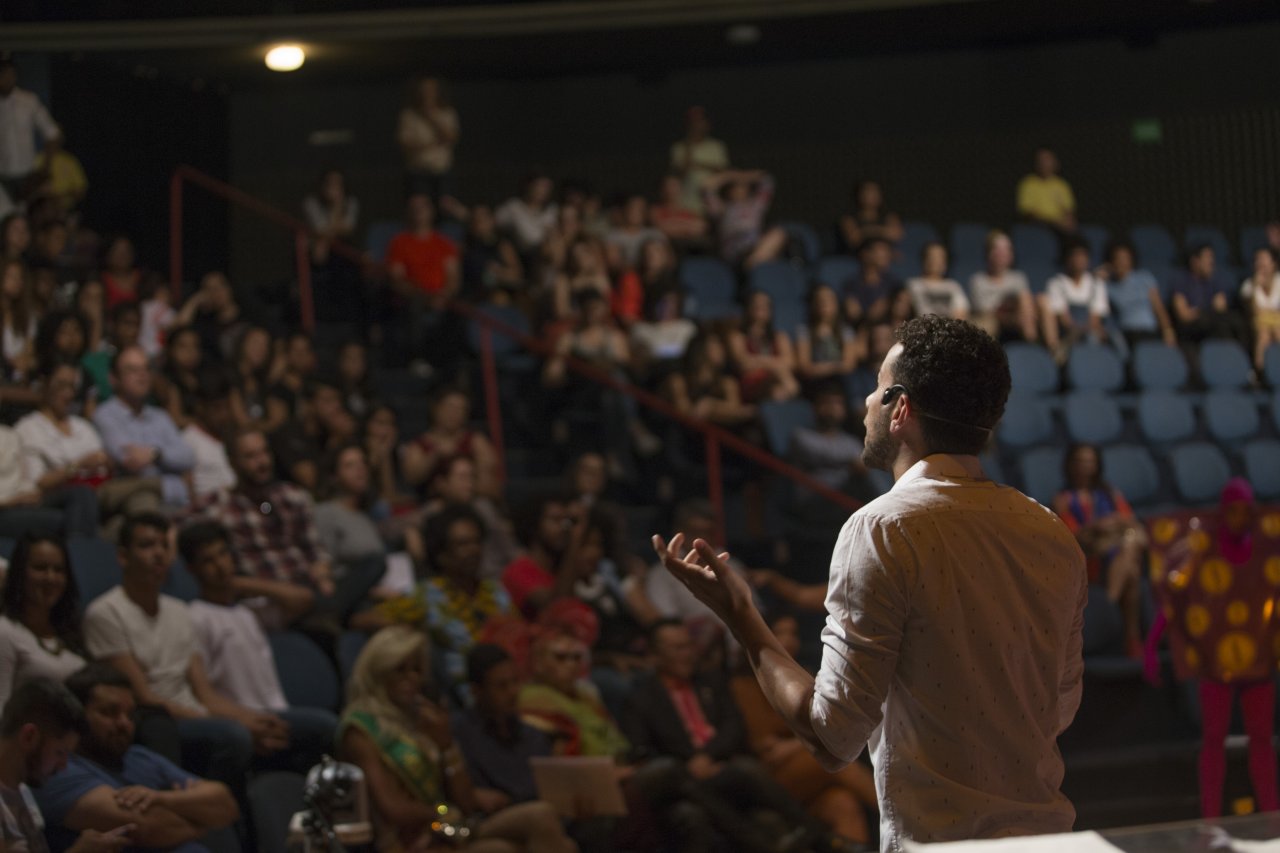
[[954, 613]]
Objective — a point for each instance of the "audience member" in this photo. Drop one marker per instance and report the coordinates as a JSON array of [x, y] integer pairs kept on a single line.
[[1111, 536], [828, 453], [679, 221], [737, 202], [38, 734], [549, 527], [421, 261], [762, 354], [412, 766], [563, 704], [703, 388], [625, 241], [381, 434], [659, 342], [64, 183], [491, 266], [1135, 298], [826, 345], [455, 483], [211, 418], [1261, 293], [20, 497], [252, 402], [119, 274], [215, 313], [621, 610], [840, 800], [932, 292], [148, 636], [697, 157], [1074, 305], [345, 522], [1002, 302], [22, 118], [140, 438], [867, 295], [297, 371], [530, 217], [1044, 197], [237, 657], [659, 279], [321, 425], [331, 213], [156, 315], [39, 615], [1202, 301], [449, 435], [869, 218], [15, 236], [63, 336], [20, 315], [112, 782], [427, 135], [352, 375]]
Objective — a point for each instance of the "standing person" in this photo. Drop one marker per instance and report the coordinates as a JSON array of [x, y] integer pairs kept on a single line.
[[427, 135], [955, 616], [21, 116], [697, 156]]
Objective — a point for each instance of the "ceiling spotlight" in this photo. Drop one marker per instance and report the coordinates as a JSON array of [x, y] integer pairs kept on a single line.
[[286, 57]]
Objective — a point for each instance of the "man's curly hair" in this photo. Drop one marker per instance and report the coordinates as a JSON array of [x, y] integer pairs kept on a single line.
[[957, 373]]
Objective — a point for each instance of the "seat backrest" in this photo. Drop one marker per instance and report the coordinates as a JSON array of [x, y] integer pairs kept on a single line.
[[968, 243], [1032, 368], [1165, 416], [1271, 365], [1262, 467], [1155, 245], [1033, 244], [1097, 236], [1196, 235], [781, 419], [350, 644], [274, 798], [94, 564], [378, 237], [1094, 367], [1224, 364], [710, 287], [835, 271], [787, 287], [1199, 472], [1042, 476], [804, 234], [914, 237], [306, 674], [1131, 469], [1093, 417], [180, 583], [1026, 422], [1231, 416], [503, 344], [1159, 367], [1252, 238]]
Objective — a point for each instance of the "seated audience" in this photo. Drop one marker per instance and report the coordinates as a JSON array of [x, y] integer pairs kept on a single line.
[[181, 373], [39, 731], [412, 766], [491, 266], [20, 497], [331, 213], [215, 313], [840, 800], [63, 336], [39, 615], [156, 315], [530, 217], [455, 483], [252, 401], [931, 291], [1002, 303], [585, 271], [141, 438], [868, 294], [830, 454], [148, 636], [826, 346], [345, 522], [548, 527], [458, 602], [659, 342], [297, 370], [420, 259], [1074, 304], [737, 203], [238, 660], [562, 703], [1112, 538], [682, 225], [112, 782], [1135, 298], [119, 273], [1261, 294], [321, 426], [210, 418], [19, 318], [625, 240], [1044, 197], [15, 236], [450, 434], [763, 355], [354, 381], [1202, 301], [870, 218]]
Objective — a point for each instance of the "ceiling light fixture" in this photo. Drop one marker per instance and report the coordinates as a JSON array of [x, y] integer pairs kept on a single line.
[[286, 57]]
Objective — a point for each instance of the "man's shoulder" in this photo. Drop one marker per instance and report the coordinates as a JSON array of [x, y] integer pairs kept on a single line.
[[108, 602]]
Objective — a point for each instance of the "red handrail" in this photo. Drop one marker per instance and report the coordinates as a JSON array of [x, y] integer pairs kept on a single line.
[[716, 437]]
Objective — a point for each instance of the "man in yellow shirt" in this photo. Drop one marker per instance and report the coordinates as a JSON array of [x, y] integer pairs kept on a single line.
[[1045, 197]]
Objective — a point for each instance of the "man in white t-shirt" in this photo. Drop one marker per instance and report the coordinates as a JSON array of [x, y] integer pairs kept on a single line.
[[1075, 303], [234, 647]]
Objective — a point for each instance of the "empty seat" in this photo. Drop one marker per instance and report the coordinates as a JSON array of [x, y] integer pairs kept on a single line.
[[306, 674], [1026, 422], [1275, 409], [1155, 246], [1271, 365], [378, 237], [1199, 235], [1165, 417], [350, 644], [710, 287], [1034, 244], [969, 244], [1042, 476], [1158, 367], [1094, 367], [180, 583], [1038, 273], [1132, 470], [835, 271], [1032, 368], [781, 419], [1093, 417], [1252, 238], [1199, 472], [1224, 364], [1097, 236], [1231, 416], [1262, 467], [914, 237], [803, 235], [786, 285], [94, 565]]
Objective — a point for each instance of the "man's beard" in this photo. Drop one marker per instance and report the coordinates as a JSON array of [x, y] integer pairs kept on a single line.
[[879, 449]]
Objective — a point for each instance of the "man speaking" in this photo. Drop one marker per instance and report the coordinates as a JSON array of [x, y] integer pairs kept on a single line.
[[954, 612]]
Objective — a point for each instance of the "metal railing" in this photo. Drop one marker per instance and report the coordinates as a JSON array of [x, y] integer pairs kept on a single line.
[[715, 438]]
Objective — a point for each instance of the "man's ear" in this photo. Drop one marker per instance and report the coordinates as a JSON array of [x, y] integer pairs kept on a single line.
[[29, 736]]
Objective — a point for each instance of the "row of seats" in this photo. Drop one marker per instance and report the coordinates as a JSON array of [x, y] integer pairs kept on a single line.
[[1153, 366]]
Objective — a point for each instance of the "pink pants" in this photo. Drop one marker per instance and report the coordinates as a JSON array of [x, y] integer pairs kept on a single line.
[[1257, 701]]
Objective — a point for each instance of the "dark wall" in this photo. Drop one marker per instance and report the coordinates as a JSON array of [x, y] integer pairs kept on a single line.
[[948, 133]]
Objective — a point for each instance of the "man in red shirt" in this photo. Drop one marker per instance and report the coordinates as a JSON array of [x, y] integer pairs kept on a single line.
[[420, 258]]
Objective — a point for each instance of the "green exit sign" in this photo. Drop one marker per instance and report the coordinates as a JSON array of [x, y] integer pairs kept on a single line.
[[1147, 131]]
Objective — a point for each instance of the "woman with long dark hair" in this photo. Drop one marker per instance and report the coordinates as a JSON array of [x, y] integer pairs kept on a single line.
[[39, 615]]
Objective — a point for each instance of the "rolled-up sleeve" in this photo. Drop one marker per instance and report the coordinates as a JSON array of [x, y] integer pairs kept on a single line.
[[867, 608]]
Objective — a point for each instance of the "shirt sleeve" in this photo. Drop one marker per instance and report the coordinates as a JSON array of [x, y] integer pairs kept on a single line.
[[1072, 687], [1100, 304], [44, 123], [176, 456], [63, 790], [34, 463], [103, 636], [867, 609], [959, 300], [1054, 297], [107, 418], [8, 663]]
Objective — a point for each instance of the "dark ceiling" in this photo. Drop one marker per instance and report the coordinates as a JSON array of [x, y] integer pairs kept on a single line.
[[221, 42]]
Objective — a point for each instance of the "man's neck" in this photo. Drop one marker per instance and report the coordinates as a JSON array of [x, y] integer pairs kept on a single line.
[[907, 458], [255, 492], [135, 406], [224, 597], [99, 756], [142, 594]]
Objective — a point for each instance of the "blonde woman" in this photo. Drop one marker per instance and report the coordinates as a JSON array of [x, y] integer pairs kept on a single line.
[[402, 742]]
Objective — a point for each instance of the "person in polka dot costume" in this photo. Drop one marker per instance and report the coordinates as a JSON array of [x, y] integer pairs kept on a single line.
[[1217, 575]]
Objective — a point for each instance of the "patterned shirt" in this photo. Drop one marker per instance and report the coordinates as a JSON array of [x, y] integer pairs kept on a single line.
[[953, 644], [455, 619], [273, 538]]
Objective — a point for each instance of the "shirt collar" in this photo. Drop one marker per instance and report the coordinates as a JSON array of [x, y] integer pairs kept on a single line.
[[936, 466]]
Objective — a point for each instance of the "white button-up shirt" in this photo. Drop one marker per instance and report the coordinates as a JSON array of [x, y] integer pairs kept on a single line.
[[953, 647], [21, 115]]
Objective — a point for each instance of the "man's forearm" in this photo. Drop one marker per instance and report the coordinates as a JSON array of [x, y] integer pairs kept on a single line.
[[786, 684], [207, 805]]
